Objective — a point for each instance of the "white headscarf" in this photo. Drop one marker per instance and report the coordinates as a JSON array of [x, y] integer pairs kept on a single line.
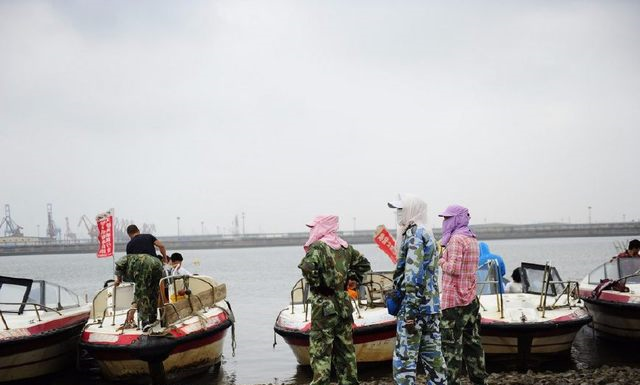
[[414, 211]]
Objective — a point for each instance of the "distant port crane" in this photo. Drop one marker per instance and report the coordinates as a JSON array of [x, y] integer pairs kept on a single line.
[[53, 231], [11, 228], [92, 228], [68, 234]]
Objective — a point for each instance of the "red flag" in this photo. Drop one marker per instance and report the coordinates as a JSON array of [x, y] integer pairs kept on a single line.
[[385, 242], [105, 234]]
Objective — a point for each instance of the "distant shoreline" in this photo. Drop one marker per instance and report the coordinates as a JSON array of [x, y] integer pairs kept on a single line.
[[35, 245]]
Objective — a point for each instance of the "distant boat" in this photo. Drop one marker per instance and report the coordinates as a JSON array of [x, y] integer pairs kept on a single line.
[[188, 337], [374, 330], [534, 326], [40, 327], [611, 292]]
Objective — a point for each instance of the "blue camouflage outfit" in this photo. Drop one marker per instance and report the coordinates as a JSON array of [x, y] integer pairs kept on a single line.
[[418, 327]]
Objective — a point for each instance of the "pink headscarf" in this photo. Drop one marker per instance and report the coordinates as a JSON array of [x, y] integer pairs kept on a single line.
[[325, 228]]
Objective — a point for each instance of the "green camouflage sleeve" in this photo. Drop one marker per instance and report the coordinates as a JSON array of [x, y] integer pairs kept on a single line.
[[359, 266], [121, 266], [310, 267]]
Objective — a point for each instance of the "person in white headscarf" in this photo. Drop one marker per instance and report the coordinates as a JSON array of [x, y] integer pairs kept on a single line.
[[416, 277]]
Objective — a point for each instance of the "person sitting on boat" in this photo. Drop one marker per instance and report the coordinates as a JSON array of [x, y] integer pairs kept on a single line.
[[483, 271], [632, 251], [416, 276], [176, 265], [515, 286], [144, 243], [329, 266]]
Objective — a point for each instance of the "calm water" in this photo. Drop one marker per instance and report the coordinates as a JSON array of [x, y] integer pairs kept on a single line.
[[258, 284]]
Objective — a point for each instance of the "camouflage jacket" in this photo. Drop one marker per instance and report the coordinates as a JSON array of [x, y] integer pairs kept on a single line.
[[326, 268], [416, 274], [132, 267]]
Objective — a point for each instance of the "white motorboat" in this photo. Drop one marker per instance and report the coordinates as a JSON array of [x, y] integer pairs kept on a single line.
[[374, 330], [40, 327], [534, 326], [611, 293], [188, 336]]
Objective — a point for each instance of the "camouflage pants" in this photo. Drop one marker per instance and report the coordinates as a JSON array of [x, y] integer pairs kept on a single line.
[[331, 344], [461, 343], [423, 343], [146, 294]]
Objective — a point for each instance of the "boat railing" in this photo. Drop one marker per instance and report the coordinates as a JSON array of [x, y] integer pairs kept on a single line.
[[185, 295], [569, 290], [119, 302], [492, 280], [300, 295], [372, 288], [23, 305]]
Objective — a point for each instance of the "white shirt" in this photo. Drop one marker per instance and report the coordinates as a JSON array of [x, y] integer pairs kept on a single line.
[[179, 270], [513, 287]]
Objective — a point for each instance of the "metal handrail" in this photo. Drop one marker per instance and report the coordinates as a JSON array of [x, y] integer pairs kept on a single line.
[[492, 266], [35, 307]]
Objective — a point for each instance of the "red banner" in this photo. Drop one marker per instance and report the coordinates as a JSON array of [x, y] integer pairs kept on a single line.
[[385, 242], [106, 237]]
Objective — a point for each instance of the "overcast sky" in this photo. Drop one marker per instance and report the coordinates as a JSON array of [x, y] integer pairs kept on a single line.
[[523, 111]]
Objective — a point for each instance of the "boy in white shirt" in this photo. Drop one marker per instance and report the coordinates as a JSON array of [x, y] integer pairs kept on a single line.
[[176, 265]]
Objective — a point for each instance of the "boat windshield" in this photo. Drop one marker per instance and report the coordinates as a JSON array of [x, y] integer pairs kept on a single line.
[[533, 278], [16, 294], [616, 269]]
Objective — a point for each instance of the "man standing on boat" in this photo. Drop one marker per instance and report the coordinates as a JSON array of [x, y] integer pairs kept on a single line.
[[141, 267], [416, 277], [144, 243], [331, 266], [460, 325]]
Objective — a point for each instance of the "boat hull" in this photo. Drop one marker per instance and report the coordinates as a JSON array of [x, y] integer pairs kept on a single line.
[[373, 343], [529, 344], [178, 355], [614, 319], [48, 351]]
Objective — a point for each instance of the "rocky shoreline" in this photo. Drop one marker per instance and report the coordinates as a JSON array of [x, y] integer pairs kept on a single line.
[[605, 375]]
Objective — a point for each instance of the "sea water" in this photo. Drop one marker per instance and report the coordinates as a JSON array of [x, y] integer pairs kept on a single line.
[[259, 281]]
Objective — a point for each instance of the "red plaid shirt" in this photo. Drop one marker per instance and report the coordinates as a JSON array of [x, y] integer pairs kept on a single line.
[[459, 264]]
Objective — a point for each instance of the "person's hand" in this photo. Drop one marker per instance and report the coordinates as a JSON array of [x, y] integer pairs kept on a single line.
[[410, 325]]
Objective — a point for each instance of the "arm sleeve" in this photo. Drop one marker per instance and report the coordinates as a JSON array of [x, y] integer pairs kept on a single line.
[[121, 266], [359, 266], [310, 267], [414, 260], [452, 261]]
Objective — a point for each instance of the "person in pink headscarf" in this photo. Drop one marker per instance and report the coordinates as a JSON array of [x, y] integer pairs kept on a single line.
[[331, 266], [460, 324]]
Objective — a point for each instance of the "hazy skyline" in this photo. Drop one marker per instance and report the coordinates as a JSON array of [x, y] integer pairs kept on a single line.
[[522, 111]]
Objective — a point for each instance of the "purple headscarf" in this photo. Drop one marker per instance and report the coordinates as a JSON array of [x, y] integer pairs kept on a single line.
[[456, 221]]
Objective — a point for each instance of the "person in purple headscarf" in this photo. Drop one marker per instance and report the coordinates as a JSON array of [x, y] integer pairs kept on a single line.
[[460, 324]]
